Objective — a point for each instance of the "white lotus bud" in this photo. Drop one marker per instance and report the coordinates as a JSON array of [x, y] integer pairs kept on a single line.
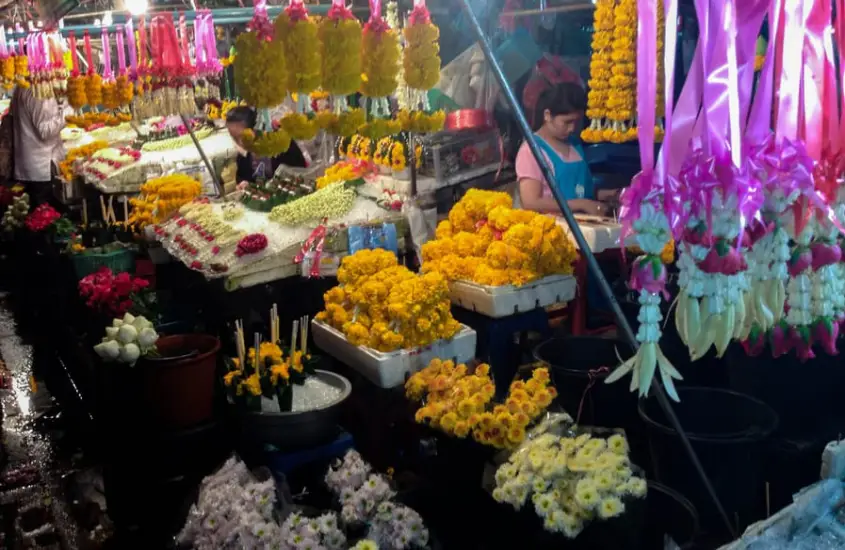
[[129, 354], [141, 323], [127, 334], [111, 332], [128, 318], [117, 323], [108, 350], [147, 338]]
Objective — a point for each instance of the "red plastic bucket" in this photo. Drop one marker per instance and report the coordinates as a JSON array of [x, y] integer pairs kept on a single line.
[[179, 392]]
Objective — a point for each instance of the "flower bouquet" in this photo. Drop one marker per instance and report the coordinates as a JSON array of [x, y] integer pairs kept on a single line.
[[127, 339], [571, 479], [114, 295], [47, 218]]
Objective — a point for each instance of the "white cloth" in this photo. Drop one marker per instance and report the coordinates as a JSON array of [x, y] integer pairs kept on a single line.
[[37, 135]]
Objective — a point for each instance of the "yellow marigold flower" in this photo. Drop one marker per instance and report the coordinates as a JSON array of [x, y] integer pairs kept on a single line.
[[466, 408], [461, 428], [516, 433], [504, 419], [542, 399], [279, 372], [541, 374], [253, 384], [448, 421], [230, 376]]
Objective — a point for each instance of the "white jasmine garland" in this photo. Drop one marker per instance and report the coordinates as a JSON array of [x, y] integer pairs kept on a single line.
[[799, 289]]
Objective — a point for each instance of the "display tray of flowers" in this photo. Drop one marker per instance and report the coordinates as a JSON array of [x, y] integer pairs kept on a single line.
[[112, 168], [283, 398], [164, 135], [386, 322], [263, 196], [500, 260]]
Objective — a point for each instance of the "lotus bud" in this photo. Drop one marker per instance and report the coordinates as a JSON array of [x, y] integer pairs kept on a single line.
[[108, 350], [127, 334], [111, 332], [147, 338], [117, 323], [128, 318], [129, 354], [141, 323]]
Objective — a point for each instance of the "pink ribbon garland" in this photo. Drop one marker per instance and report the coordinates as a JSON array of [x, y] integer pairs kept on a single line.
[[130, 44], [4, 51], [339, 11], [376, 23], [812, 81], [790, 72], [107, 72], [316, 242], [670, 184], [207, 61], [121, 56]]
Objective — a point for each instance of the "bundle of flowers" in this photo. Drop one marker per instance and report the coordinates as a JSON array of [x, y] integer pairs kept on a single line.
[[421, 56], [340, 51], [41, 218], [266, 143], [487, 241], [332, 201], [83, 152], [161, 197], [421, 122], [384, 306], [109, 293], [460, 403], [16, 213], [365, 497], [127, 340], [105, 162], [344, 171], [322, 532], [234, 510], [570, 480]]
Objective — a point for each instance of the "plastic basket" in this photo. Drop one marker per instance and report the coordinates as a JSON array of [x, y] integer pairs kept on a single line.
[[116, 260]]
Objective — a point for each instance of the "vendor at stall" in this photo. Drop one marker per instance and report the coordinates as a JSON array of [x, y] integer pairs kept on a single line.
[[37, 125], [560, 109], [249, 166]]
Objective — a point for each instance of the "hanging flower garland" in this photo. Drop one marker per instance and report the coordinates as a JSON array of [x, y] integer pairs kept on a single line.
[[22, 64], [94, 82], [600, 67], [110, 97], [421, 56], [621, 96], [380, 53], [58, 70], [7, 62], [124, 88], [392, 18], [76, 82], [208, 65], [340, 50], [299, 34], [143, 102]]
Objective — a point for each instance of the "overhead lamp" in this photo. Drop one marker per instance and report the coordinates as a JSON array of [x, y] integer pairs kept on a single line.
[[136, 7]]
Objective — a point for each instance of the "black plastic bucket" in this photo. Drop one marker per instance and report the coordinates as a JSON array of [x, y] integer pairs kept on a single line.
[[728, 431], [668, 513], [579, 365], [806, 396]]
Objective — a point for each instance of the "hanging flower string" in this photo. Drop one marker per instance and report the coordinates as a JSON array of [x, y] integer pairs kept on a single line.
[[380, 53], [124, 86], [421, 56], [76, 82], [340, 46]]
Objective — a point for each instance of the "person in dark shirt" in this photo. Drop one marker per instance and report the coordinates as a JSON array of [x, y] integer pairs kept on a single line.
[[251, 167]]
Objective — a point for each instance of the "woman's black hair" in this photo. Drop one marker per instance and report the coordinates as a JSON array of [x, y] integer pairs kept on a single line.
[[565, 98], [242, 115]]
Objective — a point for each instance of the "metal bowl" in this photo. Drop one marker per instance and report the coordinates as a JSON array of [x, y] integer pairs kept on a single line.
[[288, 431]]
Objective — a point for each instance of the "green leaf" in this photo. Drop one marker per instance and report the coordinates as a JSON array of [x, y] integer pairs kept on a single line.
[[722, 247]]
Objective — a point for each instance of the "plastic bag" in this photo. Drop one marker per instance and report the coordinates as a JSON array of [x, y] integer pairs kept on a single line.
[[372, 236]]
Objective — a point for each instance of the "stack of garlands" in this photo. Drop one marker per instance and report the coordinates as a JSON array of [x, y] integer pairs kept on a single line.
[[421, 56], [486, 241], [331, 202], [261, 77], [384, 306], [161, 197], [340, 51], [601, 63], [299, 34], [380, 53], [83, 152], [459, 402], [571, 481], [265, 370]]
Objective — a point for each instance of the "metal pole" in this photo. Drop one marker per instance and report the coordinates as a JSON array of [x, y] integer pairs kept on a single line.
[[218, 182], [621, 321]]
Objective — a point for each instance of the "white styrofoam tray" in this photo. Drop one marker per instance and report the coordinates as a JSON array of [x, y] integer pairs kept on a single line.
[[501, 301], [388, 370]]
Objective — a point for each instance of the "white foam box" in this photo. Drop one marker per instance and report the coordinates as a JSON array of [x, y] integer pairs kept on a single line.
[[388, 370], [501, 301]]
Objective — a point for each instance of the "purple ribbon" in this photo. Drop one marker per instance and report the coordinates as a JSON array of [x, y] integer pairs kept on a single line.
[[130, 46], [107, 73]]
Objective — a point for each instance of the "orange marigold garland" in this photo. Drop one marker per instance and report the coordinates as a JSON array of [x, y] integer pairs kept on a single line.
[[600, 67], [421, 56], [380, 52], [340, 50], [76, 94]]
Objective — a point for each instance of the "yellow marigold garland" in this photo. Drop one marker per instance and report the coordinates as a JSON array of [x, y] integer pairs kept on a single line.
[[162, 197], [76, 95], [111, 100], [381, 62], [420, 122], [300, 35], [378, 128], [260, 73], [600, 67], [266, 144], [22, 70], [125, 90], [421, 55], [347, 123], [340, 52], [7, 67], [94, 89], [299, 126]]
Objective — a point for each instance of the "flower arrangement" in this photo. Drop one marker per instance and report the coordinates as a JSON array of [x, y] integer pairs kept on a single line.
[[347, 123], [601, 64], [421, 55], [571, 481], [94, 89], [7, 72], [486, 241], [15, 214], [378, 128], [266, 143], [83, 152], [105, 162], [421, 122], [260, 69], [382, 305], [299, 126], [360, 147], [380, 52], [161, 197], [41, 218], [109, 293], [93, 120], [22, 70], [125, 90], [299, 33], [127, 340], [340, 36], [397, 526], [76, 91], [332, 201], [322, 532], [459, 403], [344, 171], [667, 255]]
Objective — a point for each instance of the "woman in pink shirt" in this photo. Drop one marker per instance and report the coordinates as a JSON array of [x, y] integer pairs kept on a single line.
[[561, 109]]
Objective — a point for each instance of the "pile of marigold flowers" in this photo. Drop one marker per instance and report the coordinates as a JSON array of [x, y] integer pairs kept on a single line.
[[487, 241], [382, 305], [459, 402]]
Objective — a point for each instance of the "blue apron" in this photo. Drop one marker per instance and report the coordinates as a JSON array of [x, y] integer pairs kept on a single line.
[[572, 179]]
